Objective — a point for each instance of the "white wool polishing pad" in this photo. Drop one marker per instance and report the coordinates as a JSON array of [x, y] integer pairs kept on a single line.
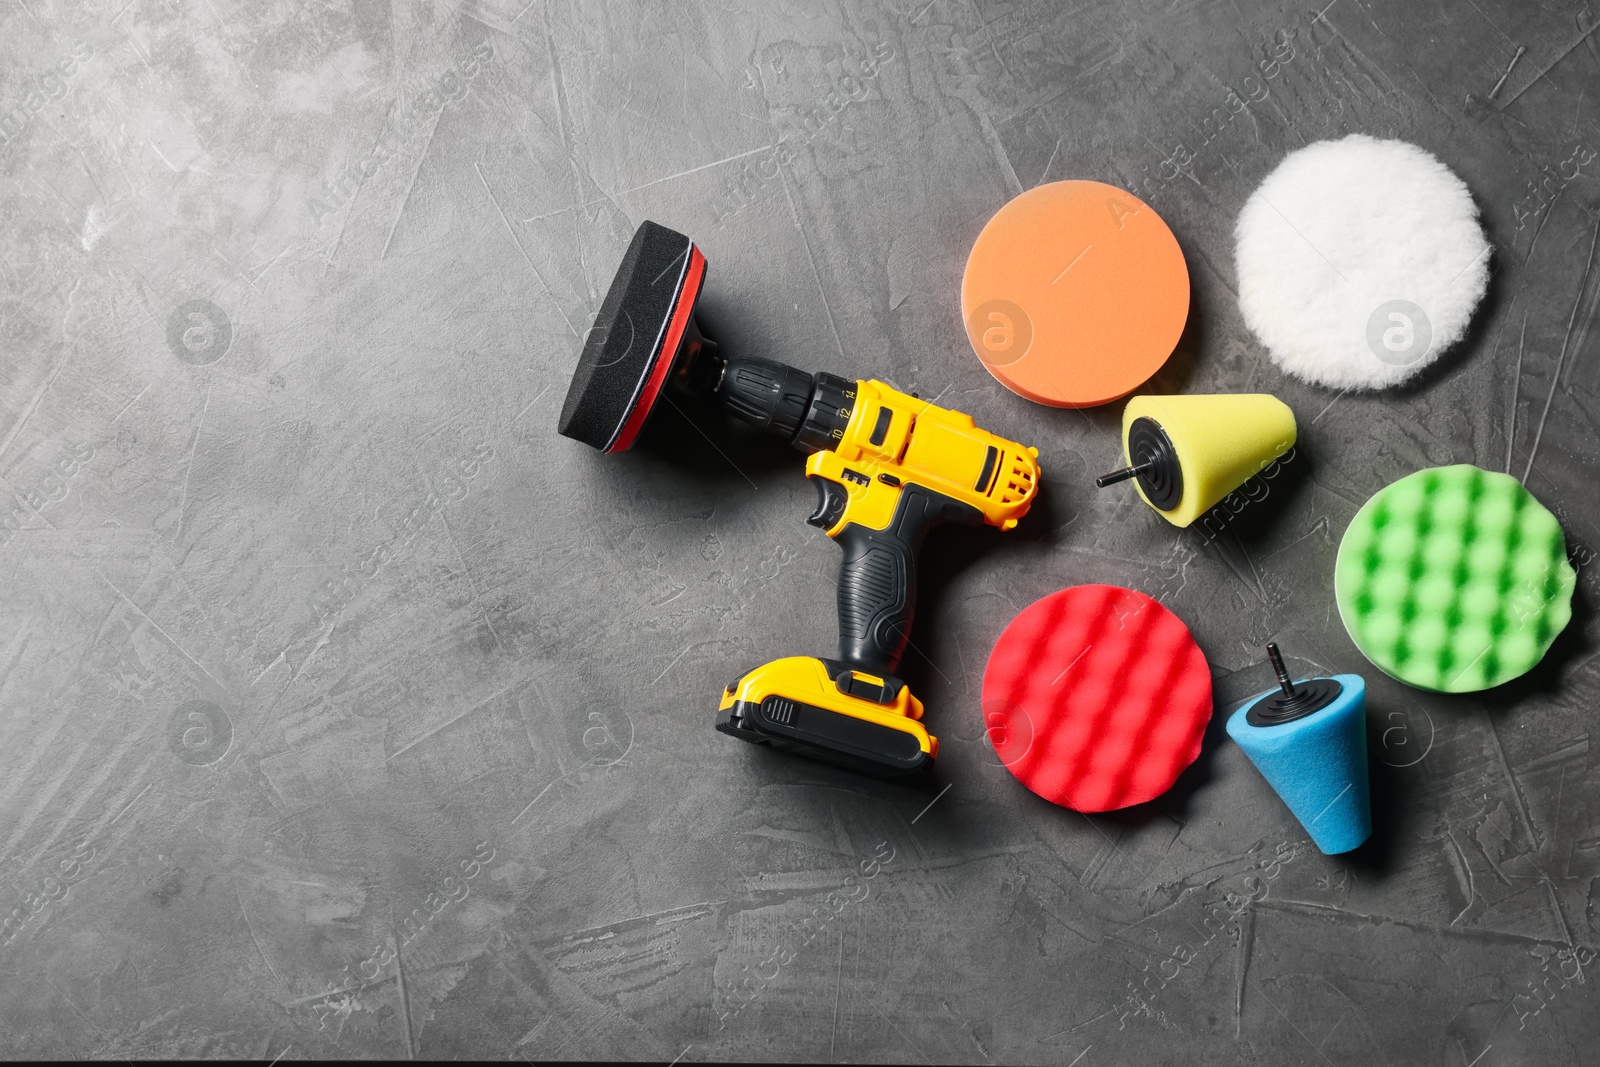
[[1360, 261]]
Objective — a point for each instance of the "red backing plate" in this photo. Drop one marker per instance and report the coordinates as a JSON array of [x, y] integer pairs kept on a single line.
[[1096, 697], [694, 274]]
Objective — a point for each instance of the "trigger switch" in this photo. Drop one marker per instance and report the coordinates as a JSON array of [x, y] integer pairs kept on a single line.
[[831, 501]]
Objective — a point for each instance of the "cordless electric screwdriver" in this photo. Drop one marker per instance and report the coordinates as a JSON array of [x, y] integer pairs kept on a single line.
[[887, 468]]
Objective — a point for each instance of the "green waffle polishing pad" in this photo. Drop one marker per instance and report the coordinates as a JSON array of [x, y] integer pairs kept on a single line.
[[1454, 579]]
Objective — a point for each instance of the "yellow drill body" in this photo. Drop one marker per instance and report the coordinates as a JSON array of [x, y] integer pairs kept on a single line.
[[914, 442]]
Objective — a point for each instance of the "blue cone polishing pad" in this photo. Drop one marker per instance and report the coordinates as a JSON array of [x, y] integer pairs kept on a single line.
[[1317, 761]]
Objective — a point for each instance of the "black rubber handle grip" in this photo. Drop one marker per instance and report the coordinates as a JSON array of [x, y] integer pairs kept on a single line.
[[877, 578]]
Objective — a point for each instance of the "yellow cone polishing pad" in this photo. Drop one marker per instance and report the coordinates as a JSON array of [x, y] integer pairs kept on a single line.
[[1454, 579], [1074, 294], [1188, 452]]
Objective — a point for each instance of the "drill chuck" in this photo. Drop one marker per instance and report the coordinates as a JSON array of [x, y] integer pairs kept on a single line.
[[810, 411]]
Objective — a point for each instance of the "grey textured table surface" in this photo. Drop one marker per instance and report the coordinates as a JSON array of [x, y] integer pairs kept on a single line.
[[346, 710]]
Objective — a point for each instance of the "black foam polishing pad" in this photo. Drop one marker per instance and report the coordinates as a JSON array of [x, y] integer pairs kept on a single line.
[[628, 353]]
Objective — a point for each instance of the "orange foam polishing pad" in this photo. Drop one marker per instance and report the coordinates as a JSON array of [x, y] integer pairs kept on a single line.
[[1096, 697], [1075, 293]]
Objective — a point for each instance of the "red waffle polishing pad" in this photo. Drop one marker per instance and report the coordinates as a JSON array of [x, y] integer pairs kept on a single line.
[[1096, 697]]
